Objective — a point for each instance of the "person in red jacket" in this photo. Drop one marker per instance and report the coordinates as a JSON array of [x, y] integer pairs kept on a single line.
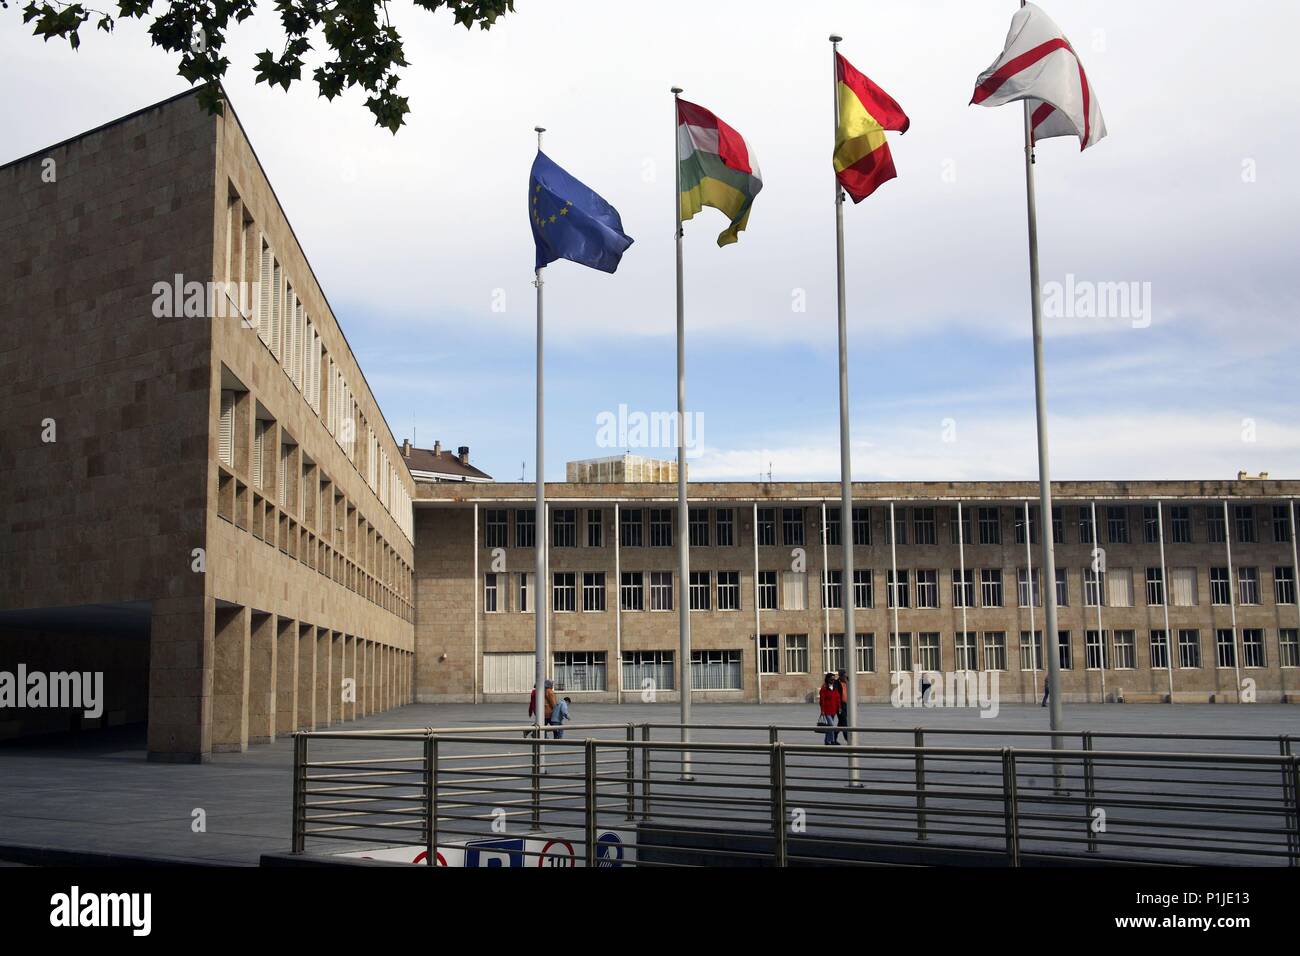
[[830, 699]]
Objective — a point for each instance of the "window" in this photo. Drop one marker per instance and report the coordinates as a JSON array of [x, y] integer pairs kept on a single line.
[[631, 530], [565, 591], [1220, 586], [1225, 647], [995, 650], [833, 588], [525, 528], [724, 521], [967, 651], [593, 590], [1282, 524], [490, 594], [796, 653], [1155, 587], [1215, 530], [1064, 650], [833, 653], [1182, 584], [900, 652], [1094, 649], [1027, 586], [767, 590], [595, 528], [700, 591], [728, 590], [632, 591], [833, 527], [1284, 585], [1248, 585], [661, 528], [226, 433], [1125, 650], [648, 670], [1252, 647], [1058, 525], [866, 653], [564, 528], [1189, 647], [526, 580], [1117, 525], [261, 428], [495, 524], [899, 593], [862, 526], [927, 588], [794, 590], [1062, 589], [1150, 524], [1031, 651], [990, 526], [928, 652], [1119, 587], [769, 654], [766, 526], [1019, 524], [661, 590], [899, 532], [963, 587], [1244, 522], [960, 528], [579, 670], [1180, 517], [1085, 526], [1091, 587], [792, 527], [923, 525], [1159, 649], [698, 524], [715, 670], [991, 587], [1288, 646], [863, 589]]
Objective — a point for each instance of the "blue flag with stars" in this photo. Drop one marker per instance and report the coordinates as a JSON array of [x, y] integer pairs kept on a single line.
[[570, 221]]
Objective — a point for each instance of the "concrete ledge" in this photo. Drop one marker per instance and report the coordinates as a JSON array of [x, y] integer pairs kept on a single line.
[[51, 856], [320, 860]]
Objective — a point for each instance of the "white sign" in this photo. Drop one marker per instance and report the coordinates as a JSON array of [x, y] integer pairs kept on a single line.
[[561, 849]]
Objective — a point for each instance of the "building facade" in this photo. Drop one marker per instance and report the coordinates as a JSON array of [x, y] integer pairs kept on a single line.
[[1200, 572]]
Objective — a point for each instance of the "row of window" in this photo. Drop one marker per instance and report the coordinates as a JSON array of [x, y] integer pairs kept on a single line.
[[587, 670], [716, 527], [788, 590], [285, 328]]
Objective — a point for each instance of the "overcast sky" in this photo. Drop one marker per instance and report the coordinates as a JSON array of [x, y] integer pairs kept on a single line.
[[422, 244]]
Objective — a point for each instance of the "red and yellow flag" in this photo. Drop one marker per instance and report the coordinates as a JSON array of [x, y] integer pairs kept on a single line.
[[862, 160]]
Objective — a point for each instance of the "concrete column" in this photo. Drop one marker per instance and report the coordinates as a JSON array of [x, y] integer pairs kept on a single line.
[[307, 662], [180, 680], [350, 658], [322, 712], [363, 648], [230, 679], [263, 678], [336, 677], [383, 677], [287, 681]]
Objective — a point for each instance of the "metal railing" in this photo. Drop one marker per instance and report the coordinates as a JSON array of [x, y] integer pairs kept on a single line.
[[612, 793]]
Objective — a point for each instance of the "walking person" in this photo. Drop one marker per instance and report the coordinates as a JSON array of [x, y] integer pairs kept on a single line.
[[829, 700], [560, 716], [549, 701], [843, 715], [1047, 691]]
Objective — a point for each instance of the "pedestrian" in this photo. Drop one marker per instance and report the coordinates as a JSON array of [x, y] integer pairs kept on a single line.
[[829, 699], [843, 715], [549, 702], [549, 699], [561, 715], [925, 689], [1047, 691]]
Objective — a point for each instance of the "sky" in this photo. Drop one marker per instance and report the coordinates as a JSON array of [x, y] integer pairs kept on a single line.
[[422, 245]]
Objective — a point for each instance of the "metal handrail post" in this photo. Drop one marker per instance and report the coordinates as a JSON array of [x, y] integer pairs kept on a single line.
[[1294, 856], [773, 735], [1089, 789], [919, 738], [645, 772], [589, 802], [299, 792], [431, 757], [1289, 800], [537, 782], [1009, 804], [776, 763], [631, 773], [430, 850]]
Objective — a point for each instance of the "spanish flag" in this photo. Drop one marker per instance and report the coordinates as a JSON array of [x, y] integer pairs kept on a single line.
[[862, 160]]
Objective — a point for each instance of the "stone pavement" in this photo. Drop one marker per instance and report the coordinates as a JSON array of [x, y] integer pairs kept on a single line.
[[98, 793]]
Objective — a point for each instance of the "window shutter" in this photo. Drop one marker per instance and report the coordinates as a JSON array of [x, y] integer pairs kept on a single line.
[[226, 431], [264, 284], [259, 443], [277, 306]]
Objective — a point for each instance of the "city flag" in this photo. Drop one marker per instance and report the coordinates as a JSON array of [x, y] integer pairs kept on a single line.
[[570, 221], [862, 159], [1039, 65], [717, 169]]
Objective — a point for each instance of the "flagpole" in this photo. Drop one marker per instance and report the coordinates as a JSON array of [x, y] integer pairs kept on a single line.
[[541, 601], [846, 469], [1044, 472], [683, 515]]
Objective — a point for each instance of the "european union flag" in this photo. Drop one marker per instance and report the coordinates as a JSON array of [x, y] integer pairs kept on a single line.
[[570, 221]]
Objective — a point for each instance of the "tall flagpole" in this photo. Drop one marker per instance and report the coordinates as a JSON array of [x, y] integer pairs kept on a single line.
[[683, 515], [1044, 472], [541, 599], [846, 469]]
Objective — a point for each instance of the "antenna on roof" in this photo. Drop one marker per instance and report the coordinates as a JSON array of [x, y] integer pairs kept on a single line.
[[522, 466]]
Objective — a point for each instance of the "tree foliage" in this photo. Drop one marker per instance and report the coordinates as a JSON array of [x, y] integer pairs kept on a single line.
[[362, 47]]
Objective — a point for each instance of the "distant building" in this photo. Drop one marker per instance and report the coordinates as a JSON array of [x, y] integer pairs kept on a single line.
[[434, 464], [621, 468]]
